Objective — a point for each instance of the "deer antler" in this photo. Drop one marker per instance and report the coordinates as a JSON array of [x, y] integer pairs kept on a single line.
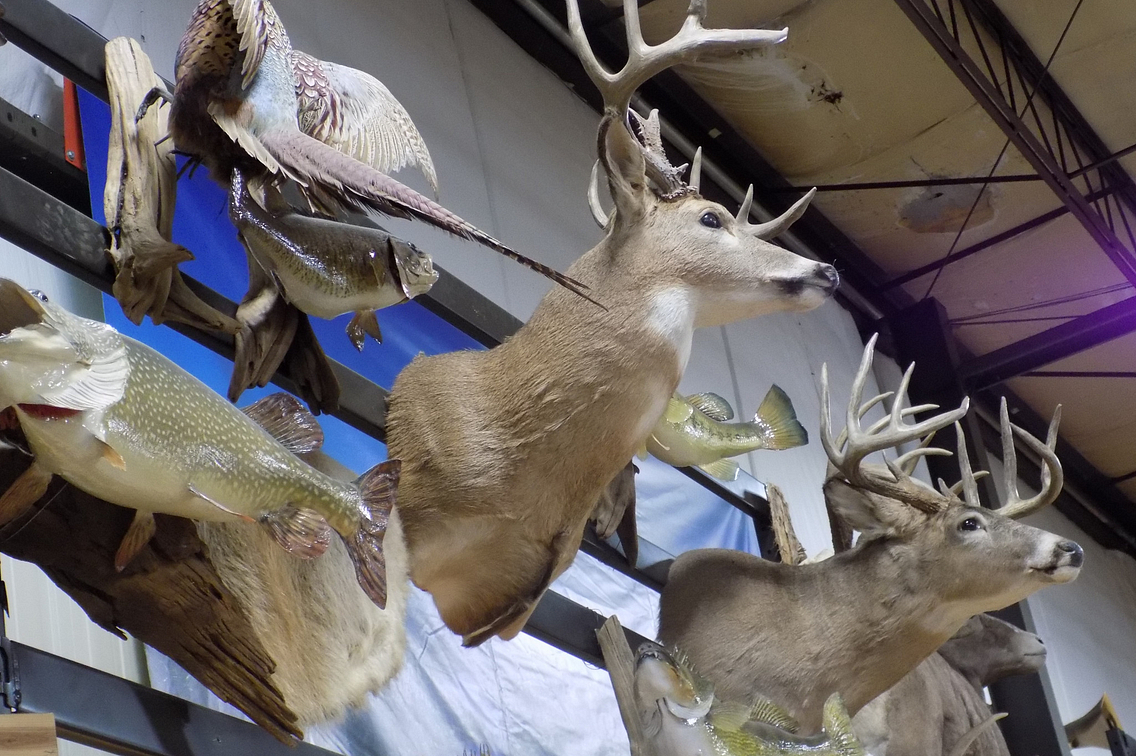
[[1052, 478], [644, 61], [599, 215], [778, 225], [848, 451]]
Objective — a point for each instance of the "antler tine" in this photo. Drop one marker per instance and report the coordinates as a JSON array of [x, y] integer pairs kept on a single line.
[[892, 431], [599, 215], [956, 489], [778, 225], [644, 61], [1052, 477], [742, 218], [696, 171], [968, 481], [864, 409]]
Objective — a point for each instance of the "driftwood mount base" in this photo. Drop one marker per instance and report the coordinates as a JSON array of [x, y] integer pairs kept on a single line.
[[169, 596]]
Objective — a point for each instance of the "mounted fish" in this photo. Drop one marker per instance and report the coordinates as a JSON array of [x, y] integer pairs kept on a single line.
[[316, 266], [244, 98], [121, 422], [694, 431], [682, 718]]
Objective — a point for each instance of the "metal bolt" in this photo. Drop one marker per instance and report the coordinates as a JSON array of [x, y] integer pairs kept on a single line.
[[70, 154]]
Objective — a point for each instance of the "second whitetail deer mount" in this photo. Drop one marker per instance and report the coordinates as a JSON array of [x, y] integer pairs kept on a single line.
[[506, 452], [856, 623]]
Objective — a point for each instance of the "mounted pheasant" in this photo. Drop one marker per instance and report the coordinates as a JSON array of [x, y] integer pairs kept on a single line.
[[505, 452], [245, 103]]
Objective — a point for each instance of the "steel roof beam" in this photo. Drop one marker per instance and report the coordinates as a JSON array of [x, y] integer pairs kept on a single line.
[[1051, 345], [1001, 106]]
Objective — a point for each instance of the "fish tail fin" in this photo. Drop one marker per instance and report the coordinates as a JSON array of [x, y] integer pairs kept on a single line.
[[967, 740], [722, 469], [377, 487], [838, 728], [776, 411], [317, 163]]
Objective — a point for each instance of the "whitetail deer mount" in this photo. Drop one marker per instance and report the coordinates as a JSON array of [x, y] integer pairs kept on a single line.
[[505, 452], [858, 622]]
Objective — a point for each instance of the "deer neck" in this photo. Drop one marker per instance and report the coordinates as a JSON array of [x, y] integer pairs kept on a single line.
[[611, 370], [894, 622]]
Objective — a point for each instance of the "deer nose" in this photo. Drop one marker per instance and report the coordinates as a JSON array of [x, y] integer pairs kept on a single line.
[[831, 277], [1074, 550]]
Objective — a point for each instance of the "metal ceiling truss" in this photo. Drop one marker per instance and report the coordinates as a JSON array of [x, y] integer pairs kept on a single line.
[[994, 62], [697, 120], [1013, 87]]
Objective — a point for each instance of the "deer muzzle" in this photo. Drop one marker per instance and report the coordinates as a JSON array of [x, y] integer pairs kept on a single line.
[[1063, 563]]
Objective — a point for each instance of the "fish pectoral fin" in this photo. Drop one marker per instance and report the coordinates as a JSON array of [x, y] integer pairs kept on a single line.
[[641, 452], [25, 491], [712, 405], [197, 492], [678, 411], [141, 530], [363, 324], [301, 532], [777, 414], [378, 488], [722, 469], [288, 421], [113, 457]]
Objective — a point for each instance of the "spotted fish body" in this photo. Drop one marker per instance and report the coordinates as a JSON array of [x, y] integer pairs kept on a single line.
[[693, 431], [184, 451], [681, 717], [118, 420]]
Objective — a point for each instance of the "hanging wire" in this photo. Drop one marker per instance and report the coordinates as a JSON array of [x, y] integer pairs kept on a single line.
[[1002, 152], [1066, 299]]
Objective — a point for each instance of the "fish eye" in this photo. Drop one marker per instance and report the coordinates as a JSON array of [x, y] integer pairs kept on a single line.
[[710, 219], [38, 294], [970, 523]]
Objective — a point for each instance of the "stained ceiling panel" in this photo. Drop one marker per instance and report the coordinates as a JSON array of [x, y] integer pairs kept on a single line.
[[858, 95]]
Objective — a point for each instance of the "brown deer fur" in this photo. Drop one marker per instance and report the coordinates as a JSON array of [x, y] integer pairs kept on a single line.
[[505, 452]]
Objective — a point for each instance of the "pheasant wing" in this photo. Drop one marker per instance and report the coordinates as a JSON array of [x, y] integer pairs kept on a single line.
[[353, 112]]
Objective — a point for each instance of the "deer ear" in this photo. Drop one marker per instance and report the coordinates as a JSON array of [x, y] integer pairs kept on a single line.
[[626, 172], [868, 513]]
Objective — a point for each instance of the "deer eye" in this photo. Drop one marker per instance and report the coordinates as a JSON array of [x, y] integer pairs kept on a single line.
[[710, 220], [970, 523]]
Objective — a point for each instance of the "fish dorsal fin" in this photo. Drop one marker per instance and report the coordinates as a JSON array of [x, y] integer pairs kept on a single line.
[[776, 413], [838, 728], [678, 410], [288, 421], [712, 405], [768, 712]]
